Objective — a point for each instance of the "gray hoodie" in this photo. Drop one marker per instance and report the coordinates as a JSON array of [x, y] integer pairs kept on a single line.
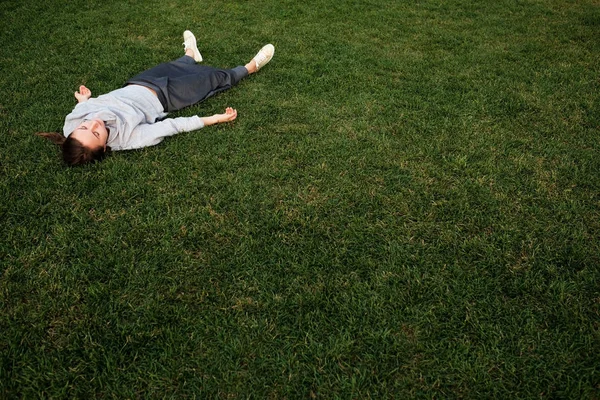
[[131, 113]]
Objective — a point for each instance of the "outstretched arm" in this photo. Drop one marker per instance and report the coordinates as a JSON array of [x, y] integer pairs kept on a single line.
[[83, 94], [150, 134]]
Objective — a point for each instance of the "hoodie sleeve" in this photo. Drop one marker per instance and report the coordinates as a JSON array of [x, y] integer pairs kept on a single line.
[[76, 117], [151, 134]]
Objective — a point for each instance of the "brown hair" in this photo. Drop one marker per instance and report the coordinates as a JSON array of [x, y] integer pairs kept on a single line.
[[73, 152]]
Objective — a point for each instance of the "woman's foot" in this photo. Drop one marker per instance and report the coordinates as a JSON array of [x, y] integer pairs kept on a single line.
[[261, 59], [189, 43]]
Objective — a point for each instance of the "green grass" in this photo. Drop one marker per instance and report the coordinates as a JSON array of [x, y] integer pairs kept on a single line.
[[407, 206]]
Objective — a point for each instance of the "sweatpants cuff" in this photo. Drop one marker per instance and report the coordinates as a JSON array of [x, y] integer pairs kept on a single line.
[[239, 73]]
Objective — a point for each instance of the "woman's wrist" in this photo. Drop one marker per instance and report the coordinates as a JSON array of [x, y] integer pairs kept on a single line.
[[229, 115], [209, 120]]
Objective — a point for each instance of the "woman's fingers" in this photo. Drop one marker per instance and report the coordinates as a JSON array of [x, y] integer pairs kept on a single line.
[[229, 115], [84, 90]]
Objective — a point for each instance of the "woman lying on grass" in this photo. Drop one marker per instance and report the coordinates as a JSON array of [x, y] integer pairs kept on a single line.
[[132, 117]]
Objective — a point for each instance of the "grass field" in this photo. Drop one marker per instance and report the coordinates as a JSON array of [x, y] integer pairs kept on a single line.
[[408, 204]]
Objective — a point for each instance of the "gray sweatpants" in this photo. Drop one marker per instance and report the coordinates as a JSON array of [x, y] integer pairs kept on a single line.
[[182, 83]]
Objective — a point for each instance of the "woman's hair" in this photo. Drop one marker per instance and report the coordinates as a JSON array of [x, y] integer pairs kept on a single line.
[[73, 152]]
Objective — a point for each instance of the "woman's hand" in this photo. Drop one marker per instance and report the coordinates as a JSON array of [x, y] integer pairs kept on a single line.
[[229, 115], [83, 94]]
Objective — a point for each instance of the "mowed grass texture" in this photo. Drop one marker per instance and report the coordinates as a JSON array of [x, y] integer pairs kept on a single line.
[[407, 205]]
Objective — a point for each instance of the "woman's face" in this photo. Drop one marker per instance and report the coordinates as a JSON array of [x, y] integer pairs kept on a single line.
[[92, 134]]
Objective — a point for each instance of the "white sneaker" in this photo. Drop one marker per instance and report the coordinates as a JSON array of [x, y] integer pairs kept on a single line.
[[189, 42], [264, 56]]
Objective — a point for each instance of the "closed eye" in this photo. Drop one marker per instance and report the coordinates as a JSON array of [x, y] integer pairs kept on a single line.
[[85, 129]]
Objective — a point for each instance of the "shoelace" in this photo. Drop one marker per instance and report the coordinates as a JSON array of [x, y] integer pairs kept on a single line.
[[260, 58]]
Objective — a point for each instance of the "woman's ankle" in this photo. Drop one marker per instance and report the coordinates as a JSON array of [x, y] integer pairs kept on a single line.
[[251, 67]]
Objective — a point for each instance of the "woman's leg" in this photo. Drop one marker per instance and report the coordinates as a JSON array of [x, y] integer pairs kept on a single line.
[[197, 83], [188, 90], [182, 83]]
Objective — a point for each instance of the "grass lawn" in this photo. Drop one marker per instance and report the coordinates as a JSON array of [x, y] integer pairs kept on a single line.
[[408, 204]]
